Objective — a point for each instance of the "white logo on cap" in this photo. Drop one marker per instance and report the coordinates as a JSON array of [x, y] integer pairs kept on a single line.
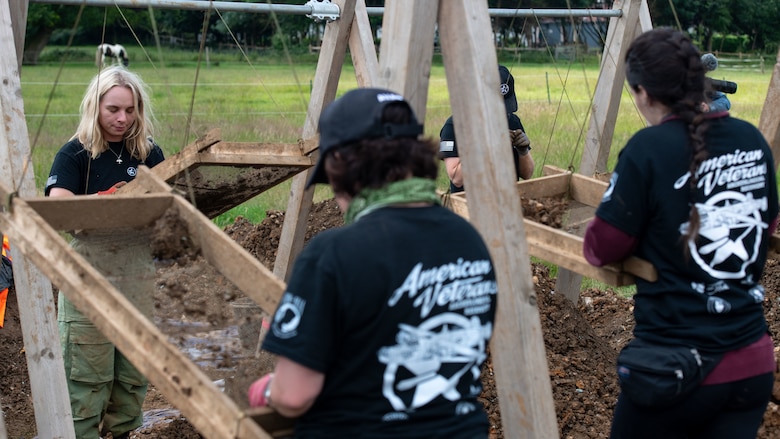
[[384, 97], [504, 89]]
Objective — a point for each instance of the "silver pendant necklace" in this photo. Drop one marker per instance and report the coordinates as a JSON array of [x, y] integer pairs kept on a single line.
[[118, 156]]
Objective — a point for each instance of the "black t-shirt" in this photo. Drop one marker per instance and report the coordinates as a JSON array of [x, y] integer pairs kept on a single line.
[[448, 147], [73, 169], [396, 310], [709, 298]]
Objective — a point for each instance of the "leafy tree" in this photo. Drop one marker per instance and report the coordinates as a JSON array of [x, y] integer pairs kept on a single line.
[[700, 18], [754, 19], [42, 21], [757, 19], [81, 26], [180, 23]]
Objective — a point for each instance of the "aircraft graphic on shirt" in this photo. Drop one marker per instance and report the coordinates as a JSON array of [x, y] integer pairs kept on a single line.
[[731, 225], [430, 360]]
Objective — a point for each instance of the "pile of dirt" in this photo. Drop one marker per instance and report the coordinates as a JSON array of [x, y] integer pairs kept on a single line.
[[581, 340]]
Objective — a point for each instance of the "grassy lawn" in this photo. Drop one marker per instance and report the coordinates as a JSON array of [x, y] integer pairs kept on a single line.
[[265, 99]]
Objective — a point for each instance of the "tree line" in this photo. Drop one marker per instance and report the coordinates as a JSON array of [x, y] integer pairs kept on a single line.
[[716, 25]]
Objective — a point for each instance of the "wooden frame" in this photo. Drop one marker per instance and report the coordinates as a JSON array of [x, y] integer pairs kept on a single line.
[[250, 160], [769, 122], [32, 226], [557, 246], [521, 373]]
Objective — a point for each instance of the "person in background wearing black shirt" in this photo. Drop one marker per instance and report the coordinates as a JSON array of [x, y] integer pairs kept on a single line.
[[113, 138], [385, 323]]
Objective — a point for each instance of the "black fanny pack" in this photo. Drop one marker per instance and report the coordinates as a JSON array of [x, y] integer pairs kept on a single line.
[[657, 376]]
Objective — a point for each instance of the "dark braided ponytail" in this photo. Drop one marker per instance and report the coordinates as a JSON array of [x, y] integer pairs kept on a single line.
[[668, 66]]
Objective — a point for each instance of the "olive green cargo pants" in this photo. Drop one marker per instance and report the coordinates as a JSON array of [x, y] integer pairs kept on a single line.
[[106, 391]]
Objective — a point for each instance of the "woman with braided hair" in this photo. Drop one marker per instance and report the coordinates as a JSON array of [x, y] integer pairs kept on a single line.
[[693, 193]]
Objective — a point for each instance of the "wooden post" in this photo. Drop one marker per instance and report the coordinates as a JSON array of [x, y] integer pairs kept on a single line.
[[326, 81], [19, 26], [3, 431], [606, 102], [405, 61], [34, 293], [518, 352], [769, 124]]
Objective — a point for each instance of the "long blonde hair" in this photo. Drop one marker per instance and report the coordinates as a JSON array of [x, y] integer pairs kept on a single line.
[[138, 139]]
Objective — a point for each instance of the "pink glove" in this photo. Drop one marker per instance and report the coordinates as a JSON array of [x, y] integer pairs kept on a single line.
[[112, 189], [260, 391]]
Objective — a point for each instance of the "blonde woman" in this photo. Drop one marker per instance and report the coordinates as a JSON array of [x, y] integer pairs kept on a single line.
[[113, 138]]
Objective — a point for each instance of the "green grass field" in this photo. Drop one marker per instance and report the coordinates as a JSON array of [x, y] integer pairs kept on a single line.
[[265, 100]]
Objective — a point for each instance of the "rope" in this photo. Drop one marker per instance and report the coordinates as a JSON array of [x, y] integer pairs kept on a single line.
[[275, 19], [28, 159], [249, 62], [676, 18]]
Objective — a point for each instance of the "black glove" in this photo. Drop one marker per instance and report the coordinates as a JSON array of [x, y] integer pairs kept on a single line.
[[520, 141]]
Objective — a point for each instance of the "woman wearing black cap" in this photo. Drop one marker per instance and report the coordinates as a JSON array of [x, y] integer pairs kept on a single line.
[[384, 326], [521, 146]]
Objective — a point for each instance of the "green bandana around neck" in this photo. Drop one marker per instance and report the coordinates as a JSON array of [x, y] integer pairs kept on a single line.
[[411, 190]]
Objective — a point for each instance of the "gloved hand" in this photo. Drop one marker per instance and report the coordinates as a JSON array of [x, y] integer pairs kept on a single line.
[[260, 391], [112, 189], [519, 138]]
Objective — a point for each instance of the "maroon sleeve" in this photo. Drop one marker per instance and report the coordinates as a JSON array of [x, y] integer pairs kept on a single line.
[[605, 243]]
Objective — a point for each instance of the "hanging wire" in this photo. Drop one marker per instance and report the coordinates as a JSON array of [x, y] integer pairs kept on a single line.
[[203, 36], [252, 66], [275, 19], [564, 93], [28, 159], [674, 12], [590, 94], [132, 31]]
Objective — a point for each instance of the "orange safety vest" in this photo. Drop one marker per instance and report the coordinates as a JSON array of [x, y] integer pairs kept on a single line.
[[4, 294]]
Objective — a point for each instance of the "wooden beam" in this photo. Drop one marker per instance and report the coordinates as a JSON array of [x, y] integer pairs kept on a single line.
[[309, 145], [224, 253], [186, 158], [405, 57], [84, 213], [361, 47], [769, 123], [272, 149], [565, 250], [183, 383], [272, 422], [587, 190], [470, 62], [609, 87], [547, 186], [253, 159], [33, 291], [326, 80], [19, 26], [606, 102]]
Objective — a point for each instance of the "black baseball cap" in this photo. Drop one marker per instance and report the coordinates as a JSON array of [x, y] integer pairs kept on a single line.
[[508, 89], [358, 115]]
